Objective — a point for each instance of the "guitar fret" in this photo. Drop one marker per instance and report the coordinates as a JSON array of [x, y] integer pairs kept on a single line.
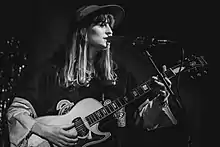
[[102, 114], [135, 93], [94, 115], [111, 108], [98, 114], [140, 91], [124, 101], [118, 103], [104, 111], [92, 118], [108, 109], [89, 120], [121, 101], [145, 87], [114, 105]]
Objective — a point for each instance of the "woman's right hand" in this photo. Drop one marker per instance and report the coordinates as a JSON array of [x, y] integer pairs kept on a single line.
[[62, 136]]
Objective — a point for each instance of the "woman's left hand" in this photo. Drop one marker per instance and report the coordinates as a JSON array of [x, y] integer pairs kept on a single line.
[[150, 107], [160, 85]]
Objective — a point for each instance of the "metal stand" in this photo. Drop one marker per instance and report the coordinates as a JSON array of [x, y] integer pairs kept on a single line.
[[151, 43], [189, 141], [163, 79]]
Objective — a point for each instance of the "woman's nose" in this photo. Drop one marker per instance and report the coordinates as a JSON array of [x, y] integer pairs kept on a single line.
[[109, 31]]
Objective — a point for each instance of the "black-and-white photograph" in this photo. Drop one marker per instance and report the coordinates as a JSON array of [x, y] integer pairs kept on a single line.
[[101, 74]]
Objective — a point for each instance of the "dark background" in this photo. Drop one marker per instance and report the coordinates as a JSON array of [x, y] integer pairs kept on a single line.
[[41, 27]]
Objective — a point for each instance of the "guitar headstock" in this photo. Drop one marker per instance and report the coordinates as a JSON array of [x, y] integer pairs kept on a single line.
[[196, 66]]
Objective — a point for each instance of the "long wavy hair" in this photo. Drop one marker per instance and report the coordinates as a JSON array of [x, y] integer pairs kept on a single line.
[[77, 70]]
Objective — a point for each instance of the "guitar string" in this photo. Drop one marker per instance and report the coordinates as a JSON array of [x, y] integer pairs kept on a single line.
[[82, 126], [114, 110]]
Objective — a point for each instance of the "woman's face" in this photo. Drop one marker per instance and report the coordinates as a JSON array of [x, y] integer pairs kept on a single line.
[[97, 33]]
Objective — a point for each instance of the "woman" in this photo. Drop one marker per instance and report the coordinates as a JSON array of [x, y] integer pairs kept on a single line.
[[88, 71]]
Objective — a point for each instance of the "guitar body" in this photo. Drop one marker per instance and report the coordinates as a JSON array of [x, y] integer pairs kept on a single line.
[[82, 109]]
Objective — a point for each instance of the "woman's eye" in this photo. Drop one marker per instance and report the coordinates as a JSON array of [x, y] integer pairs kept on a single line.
[[102, 24]]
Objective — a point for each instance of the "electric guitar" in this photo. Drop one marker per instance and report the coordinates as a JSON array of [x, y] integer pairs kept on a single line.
[[87, 113]]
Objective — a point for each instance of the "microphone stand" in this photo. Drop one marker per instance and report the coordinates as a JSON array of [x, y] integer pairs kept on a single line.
[[151, 43], [163, 78]]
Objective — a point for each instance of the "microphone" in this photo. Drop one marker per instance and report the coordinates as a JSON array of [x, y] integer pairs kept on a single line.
[[138, 40], [127, 39], [117, 38], [162, 41], [120, 38]]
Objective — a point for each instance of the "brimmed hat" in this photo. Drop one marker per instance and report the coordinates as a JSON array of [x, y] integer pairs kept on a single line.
[[85, 11]]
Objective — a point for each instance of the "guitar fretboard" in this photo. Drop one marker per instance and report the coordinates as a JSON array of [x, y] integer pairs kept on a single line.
[[117, 104], [136, 93]]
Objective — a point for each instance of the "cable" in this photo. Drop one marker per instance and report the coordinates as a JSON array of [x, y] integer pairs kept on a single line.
[[178, 74], [189, 141]]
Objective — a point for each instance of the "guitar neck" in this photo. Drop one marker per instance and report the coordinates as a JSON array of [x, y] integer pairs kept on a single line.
[[143, 89], [120, 102], [170, 73]]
